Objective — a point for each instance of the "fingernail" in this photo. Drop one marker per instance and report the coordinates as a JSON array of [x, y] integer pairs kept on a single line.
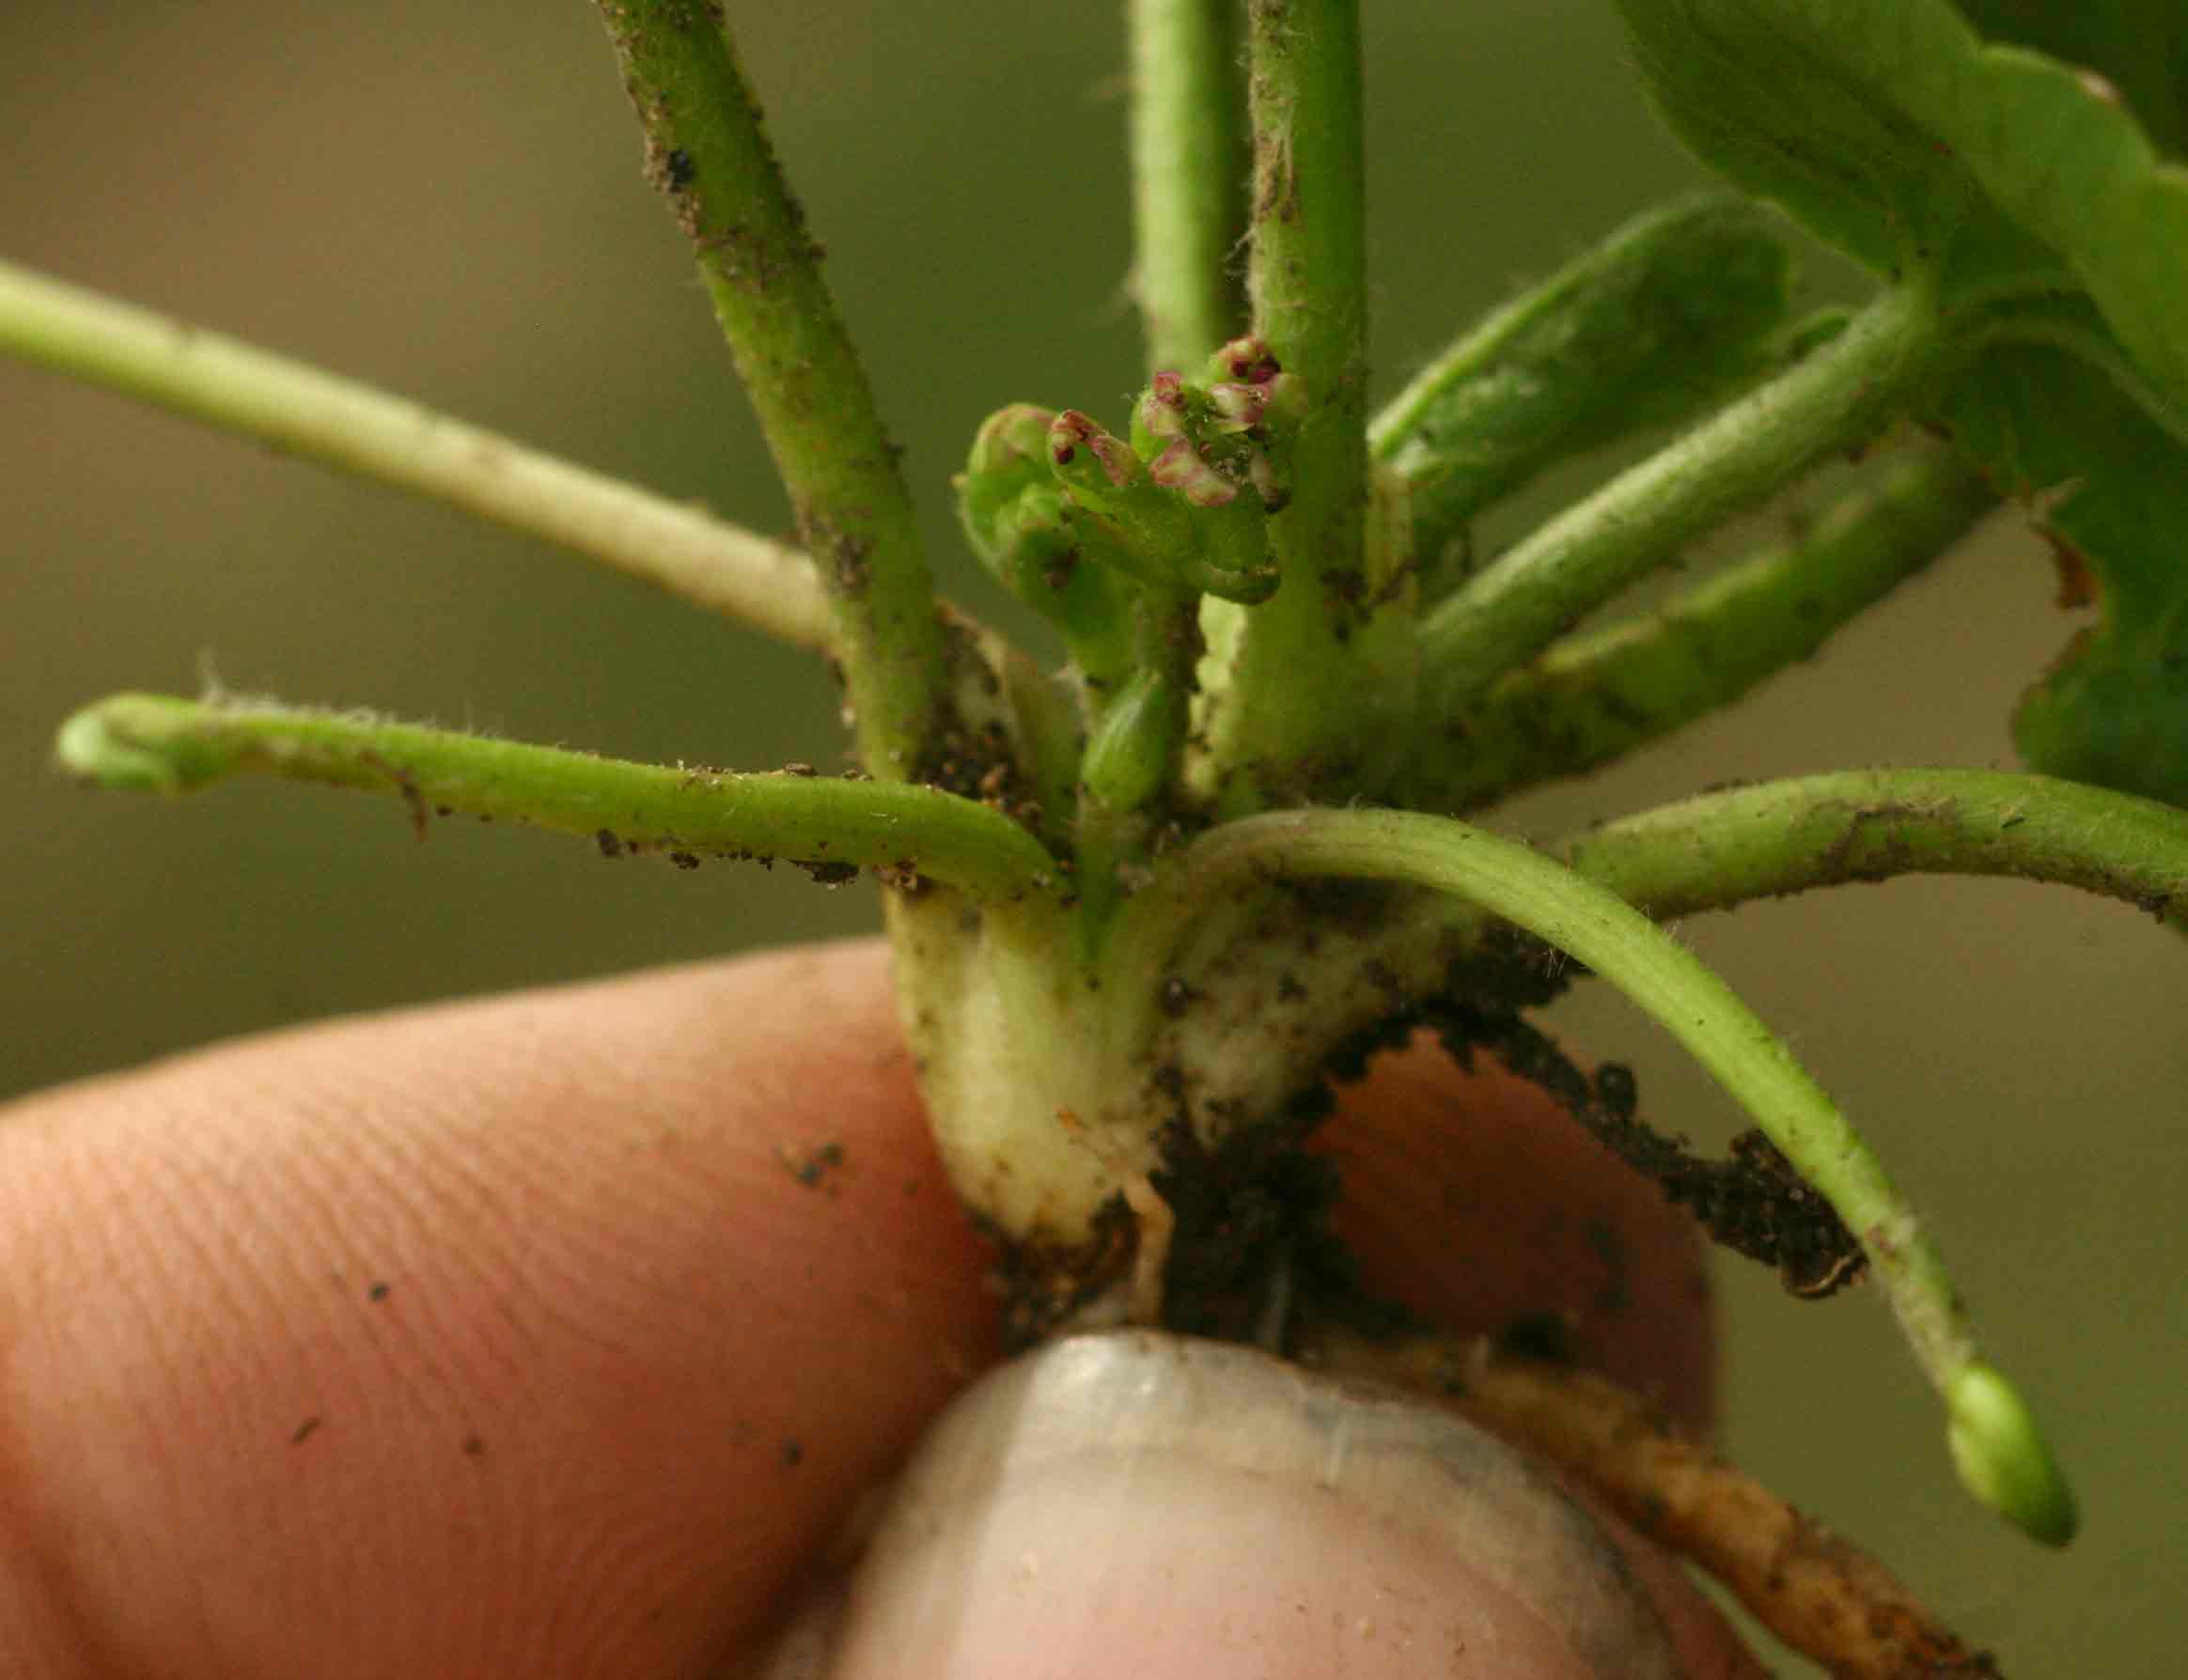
[[1149, 1506]]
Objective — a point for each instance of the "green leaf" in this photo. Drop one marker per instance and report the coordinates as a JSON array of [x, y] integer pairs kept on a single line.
[[1894, 130], [2045, 423], [2139, 46]]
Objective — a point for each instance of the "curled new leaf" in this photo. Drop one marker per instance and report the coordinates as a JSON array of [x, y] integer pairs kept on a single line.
[[1152, 527], [1016, 521]]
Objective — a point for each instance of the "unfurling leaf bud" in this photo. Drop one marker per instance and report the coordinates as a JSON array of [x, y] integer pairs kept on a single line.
[[1186, 528], [1008, 456], [1020, 524]]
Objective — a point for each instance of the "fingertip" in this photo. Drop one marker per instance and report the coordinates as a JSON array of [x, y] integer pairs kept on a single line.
[[1144, 1503], [1476, 1201], [574, 1318]]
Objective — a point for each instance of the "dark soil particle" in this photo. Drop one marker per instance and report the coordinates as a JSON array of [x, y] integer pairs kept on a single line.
[[1253, 1219], [1546, 1336], [378, 1292], [1754, 1203], [813, 1169], [1251, 1214], [306, 1430], [793, 1452], [1615, 1294]]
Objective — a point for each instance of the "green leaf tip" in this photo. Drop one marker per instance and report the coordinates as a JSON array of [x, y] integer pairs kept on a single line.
[[2003, 1458], [119, 743]]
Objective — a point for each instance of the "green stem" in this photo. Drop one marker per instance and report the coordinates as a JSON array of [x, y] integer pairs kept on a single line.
[[707, 152], [357, 429], [1316, 675], [2001, 1455], [1778, 837], [1836, 397], [156, 743], [1599, 695], [1186, 165]]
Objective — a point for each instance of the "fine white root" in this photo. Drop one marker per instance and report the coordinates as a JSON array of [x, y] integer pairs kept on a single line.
[[1820, 1594], [1154, 1224], [1150, 1258]]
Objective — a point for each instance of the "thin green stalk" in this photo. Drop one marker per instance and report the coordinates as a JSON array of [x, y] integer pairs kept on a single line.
[[1654, 327], [1134, 746], [342, 424], [158, 743], [1833, 398], [1314, 677], [1778, 837], [1599, 695], [1187, 162], [2001, 1455], [707, 152]]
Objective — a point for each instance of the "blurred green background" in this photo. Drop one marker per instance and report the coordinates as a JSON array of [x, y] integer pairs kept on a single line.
[[448, 201]]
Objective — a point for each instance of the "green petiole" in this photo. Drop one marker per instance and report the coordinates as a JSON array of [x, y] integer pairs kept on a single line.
[[708, 154], [1302, 686], [1659, 323], [1600, 694], [1833, 398], [1720, 850], [157, 743], [343, 424], [1187, 159]]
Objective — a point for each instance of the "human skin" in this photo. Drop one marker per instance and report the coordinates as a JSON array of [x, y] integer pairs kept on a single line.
[[506, 1337]]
